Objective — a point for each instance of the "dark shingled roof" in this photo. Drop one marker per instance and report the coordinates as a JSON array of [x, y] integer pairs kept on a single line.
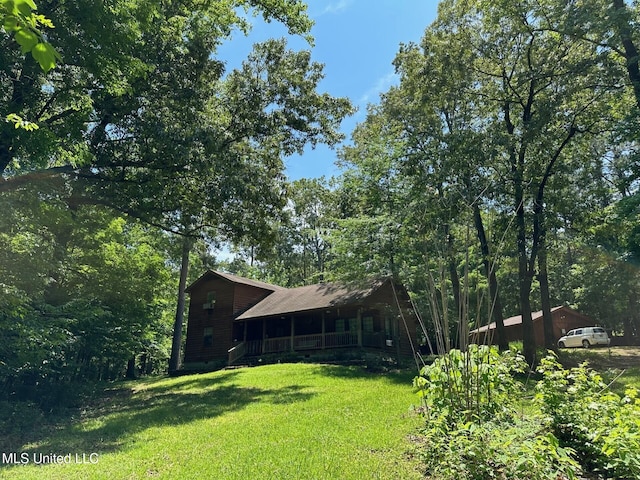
[[235, 279], [311, 297]]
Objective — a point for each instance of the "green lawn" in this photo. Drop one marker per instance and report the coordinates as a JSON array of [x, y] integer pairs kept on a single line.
[[287, 421]]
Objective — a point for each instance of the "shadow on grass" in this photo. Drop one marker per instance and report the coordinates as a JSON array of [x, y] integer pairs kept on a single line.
[[352, 372], [122, 413]]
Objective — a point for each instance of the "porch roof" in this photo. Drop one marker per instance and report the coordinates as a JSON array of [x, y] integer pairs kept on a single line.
[[310, 297]]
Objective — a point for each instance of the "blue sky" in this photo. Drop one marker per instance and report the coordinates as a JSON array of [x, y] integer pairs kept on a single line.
[[356, 40]]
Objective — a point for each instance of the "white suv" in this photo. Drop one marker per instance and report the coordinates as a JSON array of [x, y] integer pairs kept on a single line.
[[584, 337]]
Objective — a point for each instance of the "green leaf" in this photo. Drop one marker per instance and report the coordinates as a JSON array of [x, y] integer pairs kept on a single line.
[[45, 55], [10, 23], [25, 6], [26, 39]]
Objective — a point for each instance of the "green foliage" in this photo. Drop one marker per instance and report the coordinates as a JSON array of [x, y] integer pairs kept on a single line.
[[82, 293], [517, 450], [496, 113], [472, 429], [19, 122], [19, 18], [299, 252], [603, 428], [472, 386]]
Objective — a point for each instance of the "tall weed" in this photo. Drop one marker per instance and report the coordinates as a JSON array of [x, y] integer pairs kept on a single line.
[[475, 385], [472, 428], [601, 426]]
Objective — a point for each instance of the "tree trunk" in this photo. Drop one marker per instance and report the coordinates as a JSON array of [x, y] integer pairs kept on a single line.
[[516, 159], [543, 278], [622, 25], [131, 367], [176, 344], [494, 293], [524, 283], [547, 319]]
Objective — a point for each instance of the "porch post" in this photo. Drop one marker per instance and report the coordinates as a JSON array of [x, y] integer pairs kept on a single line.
[[397, 337], [264, 332], [359, 322], [244, 334], [323, 329], [293, 331]]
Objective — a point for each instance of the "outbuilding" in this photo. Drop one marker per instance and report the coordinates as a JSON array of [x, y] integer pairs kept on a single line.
[[564, 319]]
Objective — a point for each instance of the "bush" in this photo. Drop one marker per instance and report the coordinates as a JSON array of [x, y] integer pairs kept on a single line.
[[520, 450], [602, 427], [475, 385], [473, 432]]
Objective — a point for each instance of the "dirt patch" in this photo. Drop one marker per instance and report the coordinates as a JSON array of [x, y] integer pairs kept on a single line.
[[602, 358]]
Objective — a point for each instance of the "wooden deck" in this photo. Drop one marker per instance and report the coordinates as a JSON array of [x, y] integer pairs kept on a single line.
[[304, 343]]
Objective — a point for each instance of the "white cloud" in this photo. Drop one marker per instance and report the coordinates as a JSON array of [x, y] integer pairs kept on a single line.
[[382, 85], [336, 7]]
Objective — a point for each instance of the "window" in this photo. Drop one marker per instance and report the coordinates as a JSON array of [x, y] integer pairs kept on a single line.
[[347, 325], [388, 331], [207, 338], [367, 324], [353, 325]]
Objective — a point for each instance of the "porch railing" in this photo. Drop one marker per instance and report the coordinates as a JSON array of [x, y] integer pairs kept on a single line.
[[302, 342], [340, 339], [274, 345], [237, 352]]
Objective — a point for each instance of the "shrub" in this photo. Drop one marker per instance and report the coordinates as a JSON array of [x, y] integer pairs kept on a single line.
[[472, 429], [475, 385], [520, 450], [602, 427]]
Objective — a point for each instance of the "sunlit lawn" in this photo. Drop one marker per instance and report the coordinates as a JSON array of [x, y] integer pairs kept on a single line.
[[288, 421]]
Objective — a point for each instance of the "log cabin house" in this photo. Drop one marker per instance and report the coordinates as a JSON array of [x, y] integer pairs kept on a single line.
[[231, 318]]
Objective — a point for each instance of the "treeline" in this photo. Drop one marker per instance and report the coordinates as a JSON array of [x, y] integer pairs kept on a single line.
[[500, 176]]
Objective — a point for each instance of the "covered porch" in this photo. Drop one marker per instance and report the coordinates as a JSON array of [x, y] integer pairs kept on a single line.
[[311, 331]]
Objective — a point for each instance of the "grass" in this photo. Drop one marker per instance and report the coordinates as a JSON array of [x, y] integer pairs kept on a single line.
[[287, 421]]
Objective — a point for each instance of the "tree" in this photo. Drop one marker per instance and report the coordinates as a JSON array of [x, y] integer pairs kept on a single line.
[[299, 251], [446, 143], [141, 118], [117, 58], [84, 293], [537, 89]]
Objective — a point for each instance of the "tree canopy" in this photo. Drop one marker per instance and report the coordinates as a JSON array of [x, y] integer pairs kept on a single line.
[[141, 129]]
